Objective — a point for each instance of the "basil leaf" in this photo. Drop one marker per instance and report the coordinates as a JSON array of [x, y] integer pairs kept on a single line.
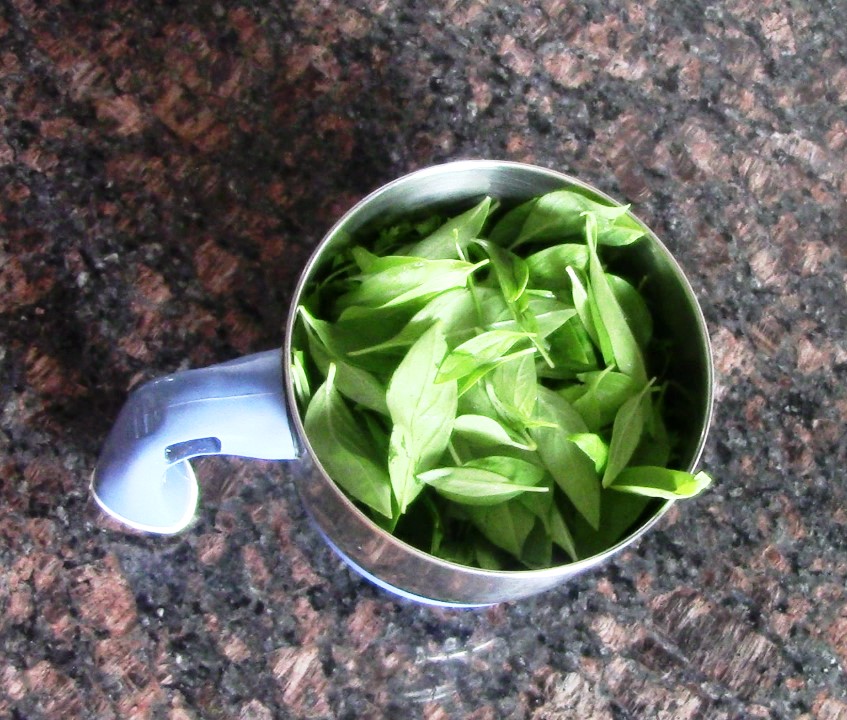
[[422, 412], [550, 315], [480, 350], [605, 392], [516, 386], [485, 481], [300, 378], [626, 352], [486, 431], [626, 433], [571, 350], [546, 510], [559, 214], [454, 308], [410, 281], [458, 231], [344, 450], [571, 468], [655, 445], [512, 277], [537, 551], [660, 482], [547, 268], [618, 515], [594, 446], [356, 384], [507, 525], [634, 309]]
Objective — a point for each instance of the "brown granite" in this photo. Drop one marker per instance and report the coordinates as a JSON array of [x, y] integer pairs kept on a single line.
[[165, 171]]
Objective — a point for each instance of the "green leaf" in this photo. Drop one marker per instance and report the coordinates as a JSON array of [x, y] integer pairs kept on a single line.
[[485, 481], [486, 431], [507, 525], [594, 446], [634, 308], [458, 231], [403, 283], [356, 384], [626, 433], [548, 267], [344, 450], [626, 352], [300, 378], [454, 308], [558, 214], [571, 468], [482, 349], [618, 514], [605, 392], [547, 511], [660, 482], [422, 412], [516, 386], [550, 315]]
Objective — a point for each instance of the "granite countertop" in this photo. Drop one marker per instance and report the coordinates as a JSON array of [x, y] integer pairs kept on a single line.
[[166, 169]]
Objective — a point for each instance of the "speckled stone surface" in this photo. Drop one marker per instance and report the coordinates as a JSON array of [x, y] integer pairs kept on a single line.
[[166, 169]]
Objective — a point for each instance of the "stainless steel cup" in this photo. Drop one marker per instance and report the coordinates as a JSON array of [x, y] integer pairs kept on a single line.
[[246, 407]]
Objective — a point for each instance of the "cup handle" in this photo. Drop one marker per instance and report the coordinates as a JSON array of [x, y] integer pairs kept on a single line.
[[143, 477]]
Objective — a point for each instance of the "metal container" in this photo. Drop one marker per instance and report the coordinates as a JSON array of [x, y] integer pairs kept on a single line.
[[246, 407]]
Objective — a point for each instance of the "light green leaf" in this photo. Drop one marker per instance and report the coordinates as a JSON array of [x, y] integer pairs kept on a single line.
[[571, 468], [626, 433], [480, 350], [485, 481], [458, 231], [422, 412], [548, 267], [486, 431], [594, 446], [660, 482], [627, 354], [403, 283]]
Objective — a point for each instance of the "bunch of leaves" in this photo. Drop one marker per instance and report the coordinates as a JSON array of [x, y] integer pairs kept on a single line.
[[480, 385]]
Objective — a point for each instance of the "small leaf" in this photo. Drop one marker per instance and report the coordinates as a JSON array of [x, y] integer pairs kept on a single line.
[[626, 433], [403, 283], [486, 431], [356, 384], [548, 267], [592, 445], [634, 309], [480, 350], [507, 525], [422, 412], [660, 482], [571, 468], [344, 450], [456, 231], [627, 354], [605, 392], [486, 481]]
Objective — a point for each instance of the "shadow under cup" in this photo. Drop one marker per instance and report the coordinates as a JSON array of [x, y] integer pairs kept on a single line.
[[406, 570]]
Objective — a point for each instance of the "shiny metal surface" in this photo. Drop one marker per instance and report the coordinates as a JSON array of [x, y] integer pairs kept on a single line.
[[411, 572]]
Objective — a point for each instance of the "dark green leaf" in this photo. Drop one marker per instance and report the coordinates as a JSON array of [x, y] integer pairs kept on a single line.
[[605, 392], [634, 309], [356, 384], [344, 450], [507, 525]]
